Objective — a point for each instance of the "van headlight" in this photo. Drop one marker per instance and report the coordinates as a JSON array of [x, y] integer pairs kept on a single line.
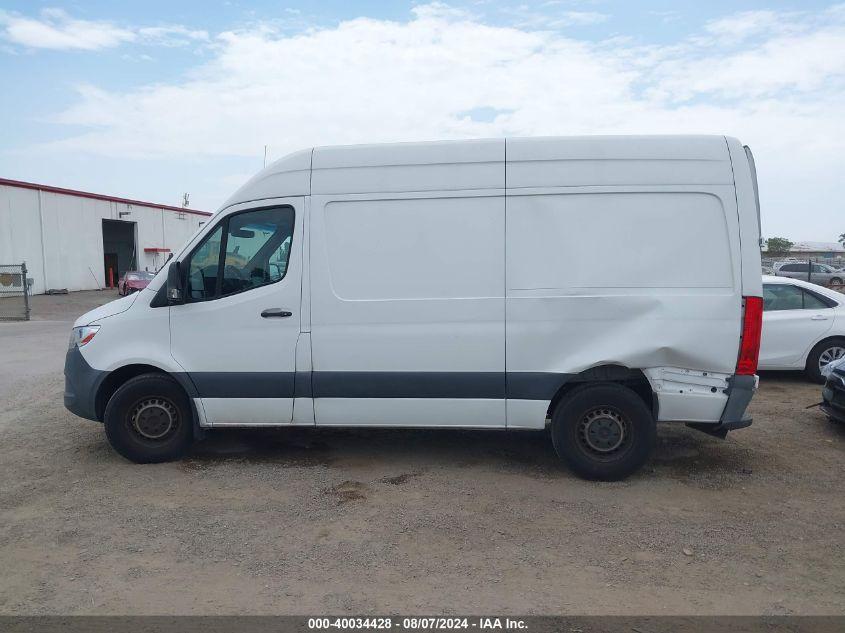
[[80, 336]]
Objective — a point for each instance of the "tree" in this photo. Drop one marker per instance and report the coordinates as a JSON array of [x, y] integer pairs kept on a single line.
[[779, 246], [842, 239]]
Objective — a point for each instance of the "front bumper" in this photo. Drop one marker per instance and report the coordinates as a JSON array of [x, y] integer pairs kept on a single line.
[[81, 384], [833, 396]]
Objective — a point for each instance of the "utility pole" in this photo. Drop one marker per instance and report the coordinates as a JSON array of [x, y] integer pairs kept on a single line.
[[265, 156]]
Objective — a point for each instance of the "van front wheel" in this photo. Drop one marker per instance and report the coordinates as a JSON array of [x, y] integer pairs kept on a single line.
[[148, 419], [603, 431]]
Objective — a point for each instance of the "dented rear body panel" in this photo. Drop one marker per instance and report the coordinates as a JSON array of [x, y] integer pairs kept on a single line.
[[635, 255]]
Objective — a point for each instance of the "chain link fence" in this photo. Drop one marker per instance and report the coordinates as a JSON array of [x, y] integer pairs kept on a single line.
[[824, 271], [14, 293]]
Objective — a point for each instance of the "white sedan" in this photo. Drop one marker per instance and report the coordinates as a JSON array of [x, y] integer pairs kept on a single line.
[[803, 326]]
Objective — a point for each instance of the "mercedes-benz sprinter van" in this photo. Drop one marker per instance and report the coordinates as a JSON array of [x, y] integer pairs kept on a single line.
[[590, 285]]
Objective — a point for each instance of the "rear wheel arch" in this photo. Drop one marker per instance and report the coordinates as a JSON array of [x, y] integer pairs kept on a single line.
[[634, 379]]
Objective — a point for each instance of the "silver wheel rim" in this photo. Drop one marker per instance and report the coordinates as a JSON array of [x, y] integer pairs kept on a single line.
[[153, 418], [603, 430], [829, 355]]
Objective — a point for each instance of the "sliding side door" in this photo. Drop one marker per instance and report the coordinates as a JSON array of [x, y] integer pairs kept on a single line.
[[408, 309]]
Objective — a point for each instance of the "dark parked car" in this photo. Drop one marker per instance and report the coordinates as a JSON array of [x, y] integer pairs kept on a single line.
[[833, 393], [133, 281]]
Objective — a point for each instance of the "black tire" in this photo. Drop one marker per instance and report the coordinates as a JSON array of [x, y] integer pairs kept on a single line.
[[148, 420], [580, 419], [836, 281], [812, 369]]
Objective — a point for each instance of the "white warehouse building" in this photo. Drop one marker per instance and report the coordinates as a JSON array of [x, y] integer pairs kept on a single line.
[[77, 240]]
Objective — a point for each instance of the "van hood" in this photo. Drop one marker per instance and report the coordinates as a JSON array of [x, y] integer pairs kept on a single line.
[[107, 310]]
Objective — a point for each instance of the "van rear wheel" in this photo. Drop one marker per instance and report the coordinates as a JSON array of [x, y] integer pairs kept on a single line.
[[603, 431], [148, 419]]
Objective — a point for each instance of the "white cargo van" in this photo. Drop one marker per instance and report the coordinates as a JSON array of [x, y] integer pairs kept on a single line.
[[595, 286]]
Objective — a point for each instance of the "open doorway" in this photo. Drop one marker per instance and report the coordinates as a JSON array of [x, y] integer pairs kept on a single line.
[[119, 252]]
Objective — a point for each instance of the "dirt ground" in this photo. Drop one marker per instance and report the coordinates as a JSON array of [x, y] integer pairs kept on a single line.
[[316, 521]]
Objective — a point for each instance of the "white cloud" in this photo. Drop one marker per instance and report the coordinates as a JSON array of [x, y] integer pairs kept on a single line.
[[367, 80], [556, 19], [172, 35], [740, 26], [583, 17], [57, 30], [434, 10], [551, 16], [800, 63]]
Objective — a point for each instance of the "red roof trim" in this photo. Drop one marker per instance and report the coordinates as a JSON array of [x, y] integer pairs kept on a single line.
[[95, 196]]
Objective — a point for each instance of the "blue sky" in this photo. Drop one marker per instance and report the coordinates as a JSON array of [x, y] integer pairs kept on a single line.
[[153, 99]]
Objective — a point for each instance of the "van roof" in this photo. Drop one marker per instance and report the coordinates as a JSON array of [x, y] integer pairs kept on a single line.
[[479, 164]]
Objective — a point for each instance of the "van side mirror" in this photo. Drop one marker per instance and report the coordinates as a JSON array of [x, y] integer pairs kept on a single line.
[[175, 289]]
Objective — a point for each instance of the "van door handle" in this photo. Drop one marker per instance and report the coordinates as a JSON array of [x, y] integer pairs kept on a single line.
[[275, 312], [818, 317]]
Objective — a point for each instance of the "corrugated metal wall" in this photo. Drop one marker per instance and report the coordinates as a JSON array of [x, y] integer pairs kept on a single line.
[[60, 236]]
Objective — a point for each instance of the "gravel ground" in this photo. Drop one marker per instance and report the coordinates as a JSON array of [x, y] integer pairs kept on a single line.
[[315, 521]]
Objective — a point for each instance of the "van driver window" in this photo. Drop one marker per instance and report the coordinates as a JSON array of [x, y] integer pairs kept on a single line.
[[202, 270], [257, 250], [279, 260], [253, 245]]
